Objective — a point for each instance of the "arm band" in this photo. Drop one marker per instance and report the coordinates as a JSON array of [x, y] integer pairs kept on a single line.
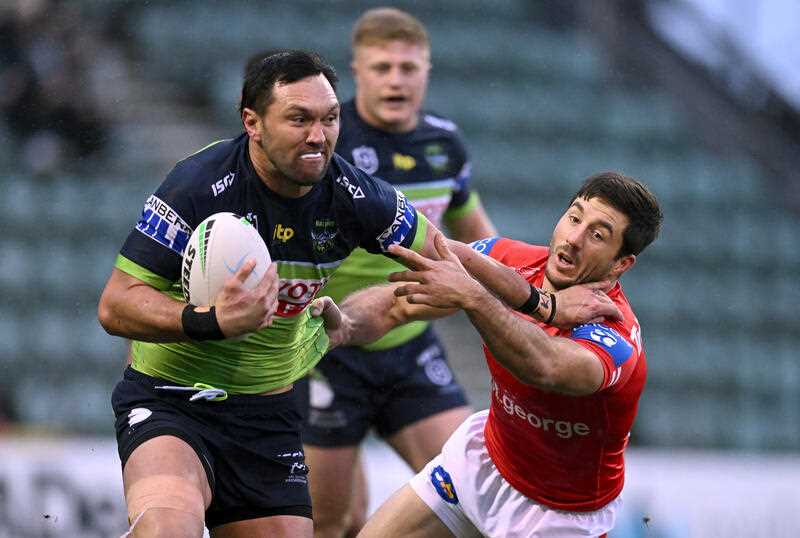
[[552, 315], [530, 306], [201, 326]]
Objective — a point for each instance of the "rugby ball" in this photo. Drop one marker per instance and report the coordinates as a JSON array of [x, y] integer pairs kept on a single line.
[[218, 247]]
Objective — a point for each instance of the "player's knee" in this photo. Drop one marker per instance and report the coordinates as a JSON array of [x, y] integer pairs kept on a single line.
[[166, 523], [333, 524], [165, 506], [357, 522]]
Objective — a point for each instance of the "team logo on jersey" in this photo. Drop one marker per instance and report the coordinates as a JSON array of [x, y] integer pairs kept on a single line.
[[323, 234], [366, 158], [163, 224], [444, 484], [436, 157], [403, 162]]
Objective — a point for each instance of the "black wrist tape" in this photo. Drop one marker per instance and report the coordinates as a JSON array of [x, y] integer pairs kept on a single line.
[[201, 326], [530, 306], [552, 315]]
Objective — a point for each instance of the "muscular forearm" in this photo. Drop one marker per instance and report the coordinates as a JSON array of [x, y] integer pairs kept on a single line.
[[371, 313], [530, 354], [374, 311], [501, 280], [139, 312]]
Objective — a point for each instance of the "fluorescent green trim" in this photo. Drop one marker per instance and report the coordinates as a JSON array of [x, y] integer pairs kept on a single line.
[[459, 212], [306, 270], [422, 231], [137, 271], [416, 194], [214, 143]]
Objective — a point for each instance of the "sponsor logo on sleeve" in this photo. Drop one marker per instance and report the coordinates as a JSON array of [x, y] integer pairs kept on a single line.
[[484, 246], [444, 485], [607, 338], [366, 158], [163, 224], [401, 226]]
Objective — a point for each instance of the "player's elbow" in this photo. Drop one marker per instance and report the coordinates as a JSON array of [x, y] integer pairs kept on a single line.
[[555, 377], [106, 314], [543, 377]]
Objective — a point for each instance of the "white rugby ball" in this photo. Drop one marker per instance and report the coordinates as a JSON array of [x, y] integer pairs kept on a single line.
[[218, 247]]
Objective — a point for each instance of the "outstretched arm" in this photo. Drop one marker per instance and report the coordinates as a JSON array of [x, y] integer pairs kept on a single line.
[[531, 355], [368, 314], [584, 303]]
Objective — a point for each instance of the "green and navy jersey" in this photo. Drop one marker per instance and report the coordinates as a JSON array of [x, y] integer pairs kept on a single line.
[[429, 165], [307, 237]]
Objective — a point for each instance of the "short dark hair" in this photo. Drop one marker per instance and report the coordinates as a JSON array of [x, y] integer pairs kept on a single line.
[[282, 67], [632, 198]]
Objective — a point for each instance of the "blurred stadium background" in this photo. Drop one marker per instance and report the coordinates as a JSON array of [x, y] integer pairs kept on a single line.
[[699, 98]]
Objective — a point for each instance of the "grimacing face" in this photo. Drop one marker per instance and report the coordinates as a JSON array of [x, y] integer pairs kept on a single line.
[[297, 132], [585, 244], [391, 81]]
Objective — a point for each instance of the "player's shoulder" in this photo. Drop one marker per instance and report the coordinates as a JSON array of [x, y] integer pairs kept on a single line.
[[353, 181], [218, 161], [509, 250], [617, 294], [435, 121]]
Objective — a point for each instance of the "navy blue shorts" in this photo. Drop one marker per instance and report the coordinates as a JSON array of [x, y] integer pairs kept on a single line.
[[249, 445], [352, 390]]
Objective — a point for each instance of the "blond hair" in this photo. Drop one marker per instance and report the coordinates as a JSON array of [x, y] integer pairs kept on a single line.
[[379, 25]]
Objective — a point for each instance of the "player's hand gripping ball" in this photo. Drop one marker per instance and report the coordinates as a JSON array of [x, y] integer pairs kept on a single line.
[[218, 247]]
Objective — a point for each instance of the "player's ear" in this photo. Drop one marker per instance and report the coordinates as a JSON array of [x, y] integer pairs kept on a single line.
[[252, 123], [621, 265]]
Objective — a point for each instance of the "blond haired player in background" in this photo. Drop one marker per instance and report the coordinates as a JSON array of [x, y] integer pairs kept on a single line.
[[400, 386]]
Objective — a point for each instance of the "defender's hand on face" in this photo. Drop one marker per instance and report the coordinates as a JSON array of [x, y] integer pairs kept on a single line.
[[442, 283], [241, 311], [585, 303]]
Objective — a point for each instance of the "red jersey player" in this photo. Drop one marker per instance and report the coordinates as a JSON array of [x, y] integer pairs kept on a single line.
[[546, 460]]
